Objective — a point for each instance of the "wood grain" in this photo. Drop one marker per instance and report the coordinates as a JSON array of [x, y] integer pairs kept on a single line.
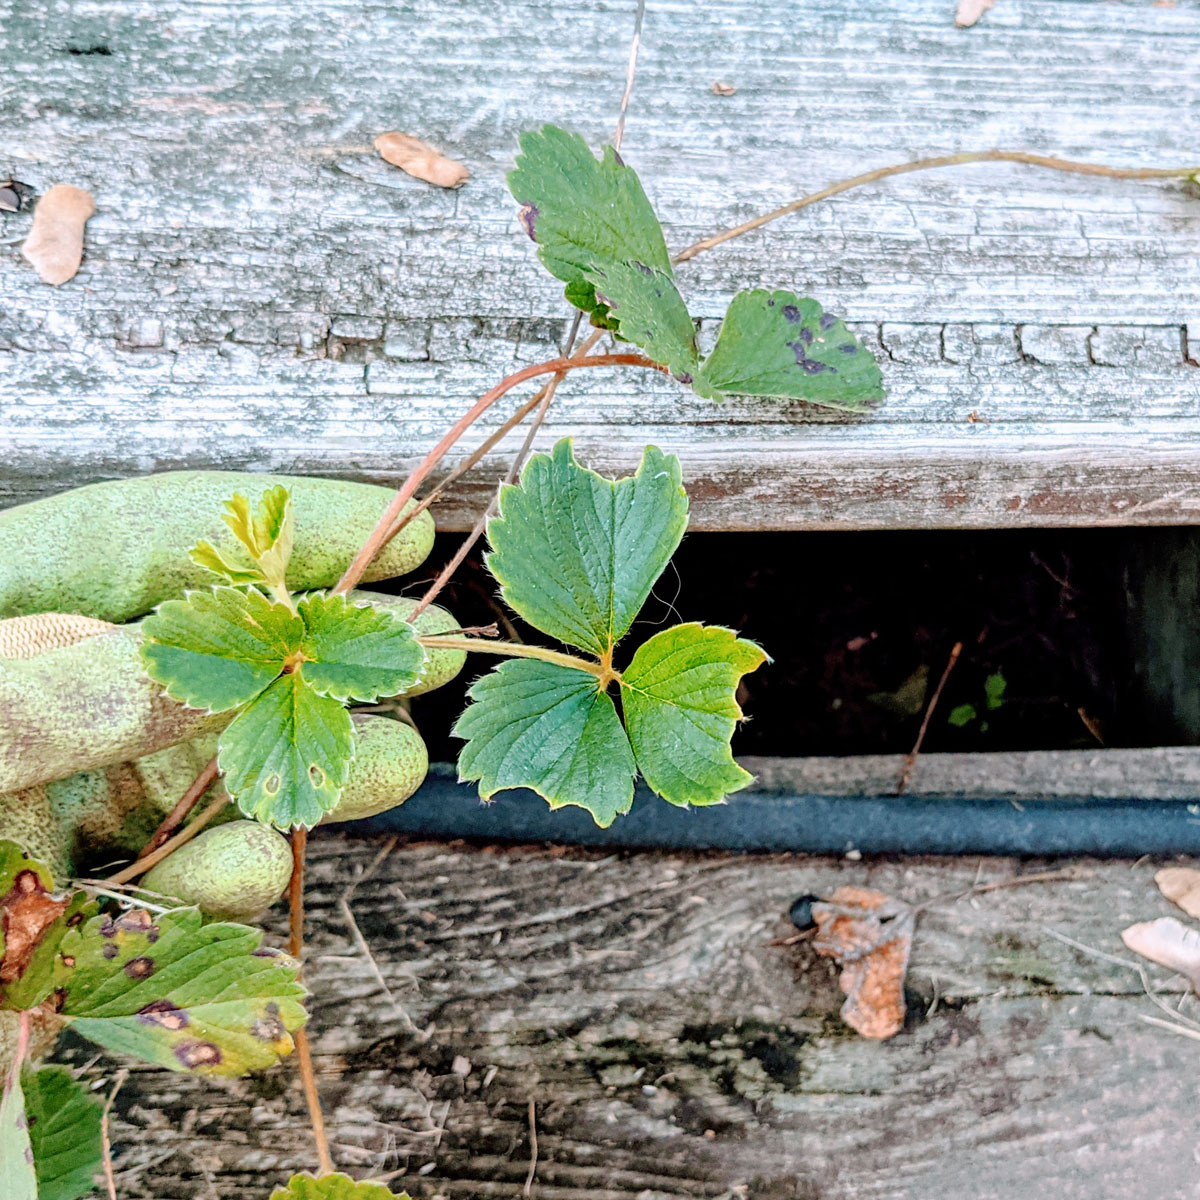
[[260, 290], [675, 1049]]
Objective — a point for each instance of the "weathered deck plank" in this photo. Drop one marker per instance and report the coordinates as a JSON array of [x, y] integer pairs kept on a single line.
[[260, 290], [640, 1000]]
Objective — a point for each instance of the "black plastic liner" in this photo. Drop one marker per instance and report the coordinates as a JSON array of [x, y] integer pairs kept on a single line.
[[760, 820]]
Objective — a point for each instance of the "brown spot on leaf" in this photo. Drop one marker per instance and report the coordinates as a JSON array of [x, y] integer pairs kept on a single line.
[[139, 968], [164, 1013], [198, 1054], [528, 215], [109, 950]]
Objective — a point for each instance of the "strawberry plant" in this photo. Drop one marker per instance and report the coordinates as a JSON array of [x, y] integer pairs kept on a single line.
[[254, 646]]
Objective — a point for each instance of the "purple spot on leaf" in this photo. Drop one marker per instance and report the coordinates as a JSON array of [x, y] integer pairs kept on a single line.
[[617, 155], [110, 951], [827, 321], [792, 313], [198, 1054], [848, 348], [813, 366], [164, 1013], [528, 218], [797, 348], [806, 336], [684, 377]]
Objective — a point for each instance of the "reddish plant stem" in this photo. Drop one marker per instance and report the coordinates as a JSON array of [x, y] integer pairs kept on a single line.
[[24, 1024], [179, 814], [371, 546], [312, 1098], [185, 835], [296, 893]]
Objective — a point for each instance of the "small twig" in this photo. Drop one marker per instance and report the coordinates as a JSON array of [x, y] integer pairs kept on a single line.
[[1066, 875], [1173, 1026], [527, 1190], [185, 835], [365, 950], [910, 760], [105, 1143], [926, 164], [176, 817], [630, 73], [296, 893], [513, 650], [379, 535], [312, 1098]]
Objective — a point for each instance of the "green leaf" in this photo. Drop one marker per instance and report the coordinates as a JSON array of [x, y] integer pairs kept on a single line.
[[583, 213], [33, 920], [179, 993], [994, 687], [576, 555], [206, 555], [778, 344], [648, 311], [286, 756], [962, 714], [680, 711], [266, 534], [357, 652], [547, 727], [217, 650], [333, 1187], [64, 1129], [18, 1177]]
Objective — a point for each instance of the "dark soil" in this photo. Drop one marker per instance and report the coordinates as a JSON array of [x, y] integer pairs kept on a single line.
[[861, 625]]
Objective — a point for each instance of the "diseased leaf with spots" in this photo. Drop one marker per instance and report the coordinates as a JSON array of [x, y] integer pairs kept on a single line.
[[575, 554], [333, 1187], [286, 756], [356, 652], [678, 694], [583, 212], [179, 993], [33, 920], [648, 311], [217, 650], [18, 1177], [779, 344], [549, 728], [64, 1130]]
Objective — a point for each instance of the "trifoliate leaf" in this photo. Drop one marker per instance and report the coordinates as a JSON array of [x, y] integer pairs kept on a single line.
[[648, 311], [680, 711], [547, 727], [64, 1130], [179, 993], [583, 213], [217, 650], [333, 1187], [286, 756], [778, 344], [206, 555], [268, 530], [356, 653], [576, 555], [18, 1177], [33, 921]]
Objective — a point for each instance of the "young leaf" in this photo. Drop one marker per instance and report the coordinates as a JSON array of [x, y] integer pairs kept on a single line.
[[179, 993], [217, 650], [206, 555], [333, 1187], [286, 756], [648, 311], [64, 1130], [33, 920], [356, 653], [576, 555], [583, 213], [18, 1177], [777, 344], [547, 727], [268, 528], [680, 711]]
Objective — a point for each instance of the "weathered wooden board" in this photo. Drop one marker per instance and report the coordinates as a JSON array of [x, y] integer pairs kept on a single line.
[[260, 290], [674, 1049]]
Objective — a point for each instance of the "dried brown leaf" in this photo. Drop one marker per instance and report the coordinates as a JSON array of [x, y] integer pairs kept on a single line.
[[1169, 943], [421, 159], [55, 243], [1181, 885], [969, 11], [723, 89], [27, 911], [869, 935]]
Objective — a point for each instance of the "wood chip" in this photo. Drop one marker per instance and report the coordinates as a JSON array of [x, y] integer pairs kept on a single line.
[[1169, 943], [723, 89], [969, 11], [421, 159], [1181, 885], [869, 935], [55, 243]]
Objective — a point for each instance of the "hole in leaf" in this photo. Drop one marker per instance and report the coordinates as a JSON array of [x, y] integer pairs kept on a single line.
[[317, 776]]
